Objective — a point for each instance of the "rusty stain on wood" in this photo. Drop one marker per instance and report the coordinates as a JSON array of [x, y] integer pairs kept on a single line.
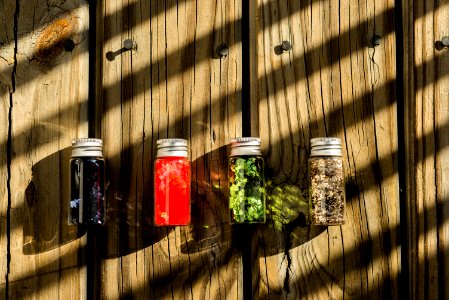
[[50, 42]]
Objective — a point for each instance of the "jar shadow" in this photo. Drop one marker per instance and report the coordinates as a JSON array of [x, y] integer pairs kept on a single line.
[[288, 225], [129, 226], [210, 226], [45, 207], [287, 209]]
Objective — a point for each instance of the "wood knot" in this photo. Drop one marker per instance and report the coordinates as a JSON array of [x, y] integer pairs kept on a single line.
[[50, 42]]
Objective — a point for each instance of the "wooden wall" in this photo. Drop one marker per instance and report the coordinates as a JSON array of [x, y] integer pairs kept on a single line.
[[172, 85], [426, 144], [44, 106], [387, 102], [332, 83]]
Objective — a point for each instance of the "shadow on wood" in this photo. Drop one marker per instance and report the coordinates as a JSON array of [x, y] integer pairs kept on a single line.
[[46, 206], [286, 207], [210, 226]]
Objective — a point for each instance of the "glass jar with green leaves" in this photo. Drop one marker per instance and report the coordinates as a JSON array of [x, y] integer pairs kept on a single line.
[[246, 181]]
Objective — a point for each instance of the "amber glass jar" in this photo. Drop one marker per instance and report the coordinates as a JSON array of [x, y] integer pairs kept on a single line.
[[87, 199], [327, 193], [246, 181], [172, 183]]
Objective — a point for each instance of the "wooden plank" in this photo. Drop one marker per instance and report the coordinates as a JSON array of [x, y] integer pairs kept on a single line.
[[48, 92], [426, 123], [4, 185], [332, 83], [7, 38], [172, 85]]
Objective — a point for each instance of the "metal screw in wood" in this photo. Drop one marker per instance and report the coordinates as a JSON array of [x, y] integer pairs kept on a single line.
[[222, 50], [286, 46], [445, 41], [376, 40], [443, 44], [129, 44], [68, 45]]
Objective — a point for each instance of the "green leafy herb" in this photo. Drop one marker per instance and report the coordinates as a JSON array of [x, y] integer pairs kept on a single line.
[[247, 191], [285, 203]]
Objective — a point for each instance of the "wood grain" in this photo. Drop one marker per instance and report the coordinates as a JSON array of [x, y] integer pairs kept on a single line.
[[4, 184], [172, 85], [332, 83], [426, 135], [47, 88]]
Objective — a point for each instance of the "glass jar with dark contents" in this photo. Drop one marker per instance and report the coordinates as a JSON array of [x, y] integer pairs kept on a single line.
[[87, 195], [246, 181], [327, 194]]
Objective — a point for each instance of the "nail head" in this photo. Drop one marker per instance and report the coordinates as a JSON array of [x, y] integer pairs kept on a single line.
[[222, 50], [445, 41], [376, 40], [286, 46], [68, 45], [128, 44]]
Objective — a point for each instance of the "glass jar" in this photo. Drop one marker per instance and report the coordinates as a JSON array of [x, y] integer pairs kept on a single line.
[[246, 181], [327, 193], [87, 199], [172, 183]]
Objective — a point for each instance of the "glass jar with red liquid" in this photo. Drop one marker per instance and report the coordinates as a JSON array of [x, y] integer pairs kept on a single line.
[[172, 183]]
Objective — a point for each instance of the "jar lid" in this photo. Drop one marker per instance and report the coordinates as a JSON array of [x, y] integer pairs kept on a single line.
[[87, 147], [245, 146], [172, 147], [325, 146]]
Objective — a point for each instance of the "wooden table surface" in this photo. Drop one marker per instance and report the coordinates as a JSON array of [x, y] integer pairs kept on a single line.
[[388, 102]]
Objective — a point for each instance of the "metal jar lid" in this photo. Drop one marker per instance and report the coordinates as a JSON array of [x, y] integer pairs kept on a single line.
[[87, 147], [325, 146], [172, 147], [245, 146]]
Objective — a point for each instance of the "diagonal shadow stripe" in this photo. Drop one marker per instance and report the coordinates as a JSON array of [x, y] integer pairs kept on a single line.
[[359, 30], [155, 11], [361, 257], [335, 114], [309, 56], [373, 165], [188, 65], [366, 98]]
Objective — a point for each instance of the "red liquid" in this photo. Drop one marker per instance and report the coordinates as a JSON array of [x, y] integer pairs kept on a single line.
[[172, 191]]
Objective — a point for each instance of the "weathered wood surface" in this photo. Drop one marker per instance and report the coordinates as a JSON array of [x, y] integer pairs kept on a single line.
[[44, 106], [172, 85], [426, 136], [332, 83]]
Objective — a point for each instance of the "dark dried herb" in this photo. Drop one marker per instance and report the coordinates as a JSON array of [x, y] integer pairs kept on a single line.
[[327, 200], [87, 191]]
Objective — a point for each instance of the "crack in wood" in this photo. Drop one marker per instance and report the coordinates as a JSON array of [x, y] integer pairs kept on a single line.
[[9, 152]]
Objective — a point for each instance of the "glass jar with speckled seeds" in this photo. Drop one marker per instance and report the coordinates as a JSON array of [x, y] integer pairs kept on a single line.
[[327, 193]]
